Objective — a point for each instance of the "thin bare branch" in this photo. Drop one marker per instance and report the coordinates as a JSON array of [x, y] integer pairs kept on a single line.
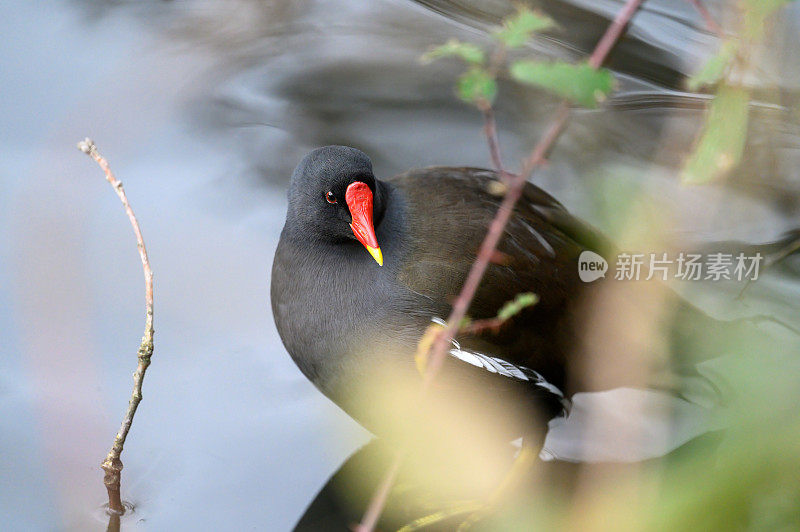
[[381, 494], [112, 465], [487, 249], [613, 33], [711, 24], [490, 130], [489, 123], [478, 326]]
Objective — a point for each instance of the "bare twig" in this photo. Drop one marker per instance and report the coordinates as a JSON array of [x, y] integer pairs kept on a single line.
[[490, 130], [613, 33], [493, 235], [378, 501], [112, 465], [478, 326], [489, 124], [711, 24]]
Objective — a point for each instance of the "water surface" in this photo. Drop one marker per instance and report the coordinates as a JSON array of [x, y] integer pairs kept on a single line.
[[203, 109]]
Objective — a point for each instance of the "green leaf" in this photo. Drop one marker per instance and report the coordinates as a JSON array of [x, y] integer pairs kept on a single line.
[[516, 305], [756, 13], [714, 69], [579, 83], [518, 28], [470, 53], [476, 84], [722, 141]]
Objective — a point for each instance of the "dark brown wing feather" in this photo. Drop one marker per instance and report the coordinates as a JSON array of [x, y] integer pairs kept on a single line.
[[538, 253]]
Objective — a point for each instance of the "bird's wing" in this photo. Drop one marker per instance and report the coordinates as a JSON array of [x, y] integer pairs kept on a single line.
[[448, 211]]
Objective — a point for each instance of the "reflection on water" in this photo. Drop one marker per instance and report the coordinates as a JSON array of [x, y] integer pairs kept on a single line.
[[203, 109], [355, 79]]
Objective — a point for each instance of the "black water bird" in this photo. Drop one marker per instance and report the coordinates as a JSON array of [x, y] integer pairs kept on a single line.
[[363, 265]]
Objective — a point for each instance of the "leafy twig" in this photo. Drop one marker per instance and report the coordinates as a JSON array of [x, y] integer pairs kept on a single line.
[[508, 311], [493, 235], [721, 143], [112, 465], [470, 327]]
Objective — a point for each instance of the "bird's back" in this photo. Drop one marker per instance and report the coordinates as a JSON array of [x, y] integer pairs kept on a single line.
[[450, 210]]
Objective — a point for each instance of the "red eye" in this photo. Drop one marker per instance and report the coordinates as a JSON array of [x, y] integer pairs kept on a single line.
[[330, 197]]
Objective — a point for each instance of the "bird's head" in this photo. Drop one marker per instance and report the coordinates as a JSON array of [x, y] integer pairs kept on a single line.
[[334, 196]]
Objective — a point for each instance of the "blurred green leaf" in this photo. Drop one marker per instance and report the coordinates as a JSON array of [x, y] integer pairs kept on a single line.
[[756, 13], [714, 69], [424, 346], [722, 142], [518, 28], [516, 305], [579, 83], [476, 84], [470, 53]]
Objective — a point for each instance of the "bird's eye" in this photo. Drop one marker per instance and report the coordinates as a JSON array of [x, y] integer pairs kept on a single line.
[[330, 197]]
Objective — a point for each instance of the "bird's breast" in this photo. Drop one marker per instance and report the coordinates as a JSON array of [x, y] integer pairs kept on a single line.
[[335, 315]]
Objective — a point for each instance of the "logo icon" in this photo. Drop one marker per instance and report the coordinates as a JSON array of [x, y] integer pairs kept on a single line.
[[591, 266]]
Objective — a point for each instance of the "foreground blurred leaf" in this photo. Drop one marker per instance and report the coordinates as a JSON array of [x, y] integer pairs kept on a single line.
[[714, 70], [579, 83], [424, 346], [756, 13], [518, 28], [470, 53], [476, 84], [722, 142]]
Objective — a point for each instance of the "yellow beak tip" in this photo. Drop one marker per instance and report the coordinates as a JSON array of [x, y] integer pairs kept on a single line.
[[376, 254]]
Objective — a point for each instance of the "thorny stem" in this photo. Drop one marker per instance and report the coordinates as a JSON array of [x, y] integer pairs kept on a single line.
[[112, 465], [487, 249]]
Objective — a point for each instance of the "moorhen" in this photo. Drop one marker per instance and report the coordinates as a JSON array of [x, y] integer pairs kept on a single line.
[[363, 266]]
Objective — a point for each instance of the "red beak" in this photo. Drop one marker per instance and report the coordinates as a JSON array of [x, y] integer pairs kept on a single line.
[[359, 200]]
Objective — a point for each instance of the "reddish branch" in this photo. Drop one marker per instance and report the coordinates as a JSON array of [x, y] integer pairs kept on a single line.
[[489, 124], [496, 228], [490, 130], [711, 24], [613, 33], [112, 465], [378, 501], [478, 326], [493, 235]]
